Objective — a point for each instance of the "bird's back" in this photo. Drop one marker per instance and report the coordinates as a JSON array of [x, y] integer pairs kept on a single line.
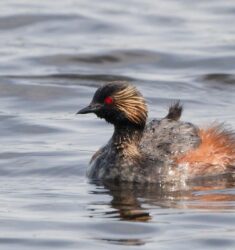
[[166, 138]]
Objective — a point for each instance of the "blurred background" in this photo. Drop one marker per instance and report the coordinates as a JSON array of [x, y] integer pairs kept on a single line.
[[53, 55]]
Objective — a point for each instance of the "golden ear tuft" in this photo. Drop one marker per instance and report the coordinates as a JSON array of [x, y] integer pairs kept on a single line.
[[131, 102]]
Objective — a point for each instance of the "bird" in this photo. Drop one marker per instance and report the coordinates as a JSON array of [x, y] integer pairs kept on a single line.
[[162, 150]]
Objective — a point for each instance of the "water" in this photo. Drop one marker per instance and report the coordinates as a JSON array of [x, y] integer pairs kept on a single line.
[[53, 57]]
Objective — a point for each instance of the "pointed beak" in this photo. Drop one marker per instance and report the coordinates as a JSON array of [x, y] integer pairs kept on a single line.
[[92, 108]]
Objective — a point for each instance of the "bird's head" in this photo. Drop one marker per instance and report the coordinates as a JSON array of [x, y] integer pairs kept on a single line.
[[118, 103]]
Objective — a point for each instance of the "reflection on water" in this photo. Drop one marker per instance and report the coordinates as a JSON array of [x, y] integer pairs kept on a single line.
[[138, 203], [129, 200]]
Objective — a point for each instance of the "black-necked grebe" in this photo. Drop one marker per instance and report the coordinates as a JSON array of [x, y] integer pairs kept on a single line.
[[163, 150]]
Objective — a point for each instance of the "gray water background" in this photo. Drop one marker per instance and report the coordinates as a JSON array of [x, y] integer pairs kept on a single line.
[[53, 55]]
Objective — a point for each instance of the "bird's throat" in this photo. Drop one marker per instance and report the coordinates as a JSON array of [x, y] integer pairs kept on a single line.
[[126, 136]]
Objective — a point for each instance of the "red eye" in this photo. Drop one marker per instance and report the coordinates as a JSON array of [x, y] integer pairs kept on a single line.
[[108, 100]]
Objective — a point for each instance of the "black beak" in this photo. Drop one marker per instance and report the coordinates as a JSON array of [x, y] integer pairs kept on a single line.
[[92, 108]]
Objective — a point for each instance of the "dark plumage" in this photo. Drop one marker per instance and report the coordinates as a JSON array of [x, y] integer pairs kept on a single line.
[[157, 151], [175, 111]]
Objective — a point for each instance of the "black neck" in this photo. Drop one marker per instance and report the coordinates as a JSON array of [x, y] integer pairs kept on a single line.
[[127, 134]]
